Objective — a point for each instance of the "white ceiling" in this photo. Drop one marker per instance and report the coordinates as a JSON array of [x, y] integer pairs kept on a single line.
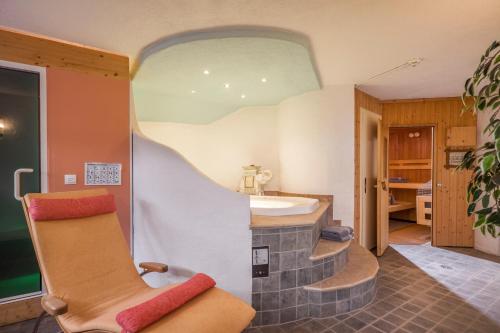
[[170, 85], [352, 40]]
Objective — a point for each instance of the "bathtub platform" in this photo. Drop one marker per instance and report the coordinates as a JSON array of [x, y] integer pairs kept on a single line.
[[308, 277], [302, 220]]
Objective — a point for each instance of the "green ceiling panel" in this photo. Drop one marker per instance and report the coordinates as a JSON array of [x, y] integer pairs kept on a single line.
[[171, 86]]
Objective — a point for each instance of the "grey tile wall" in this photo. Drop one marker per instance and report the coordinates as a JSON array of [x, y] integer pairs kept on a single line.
[[330, 303], [280, 297]]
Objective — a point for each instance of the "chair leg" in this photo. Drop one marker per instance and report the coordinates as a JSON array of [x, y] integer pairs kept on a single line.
[[39, 321]]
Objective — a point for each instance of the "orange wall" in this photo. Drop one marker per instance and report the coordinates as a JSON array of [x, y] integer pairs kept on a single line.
[[88, 121]]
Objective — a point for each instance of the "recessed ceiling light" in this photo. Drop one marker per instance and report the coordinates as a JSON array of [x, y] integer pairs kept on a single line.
[[206, 72], [226, 85], [193, 91], [264, 80], [243, 96]]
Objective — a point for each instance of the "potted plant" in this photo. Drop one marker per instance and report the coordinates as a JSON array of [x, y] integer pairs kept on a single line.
[[482, 95]]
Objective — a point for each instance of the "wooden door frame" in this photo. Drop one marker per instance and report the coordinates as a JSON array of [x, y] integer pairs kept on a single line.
[[434, 127], [41, 71], [363, 110]]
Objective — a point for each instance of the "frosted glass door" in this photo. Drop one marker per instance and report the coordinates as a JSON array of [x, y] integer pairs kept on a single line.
[[19, 148]]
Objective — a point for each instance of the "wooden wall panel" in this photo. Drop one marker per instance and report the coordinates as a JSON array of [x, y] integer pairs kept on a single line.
[[451, 225], [402, 147], [370, 103], [42, 51], [17, 311]]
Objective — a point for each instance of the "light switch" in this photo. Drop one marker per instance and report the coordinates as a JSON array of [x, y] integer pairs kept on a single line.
[[70, 179]]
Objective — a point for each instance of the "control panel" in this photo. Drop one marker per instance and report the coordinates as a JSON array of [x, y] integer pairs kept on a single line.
[[260, 261]]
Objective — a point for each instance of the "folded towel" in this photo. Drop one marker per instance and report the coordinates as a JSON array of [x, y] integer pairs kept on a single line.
[[43, 209], [136, 318], [337, 233]]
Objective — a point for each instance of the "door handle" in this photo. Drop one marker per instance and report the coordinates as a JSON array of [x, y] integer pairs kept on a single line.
[[17, 182], [384, 185]]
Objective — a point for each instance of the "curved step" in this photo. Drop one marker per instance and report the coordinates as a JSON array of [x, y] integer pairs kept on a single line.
[[361, 266], [327, 248]]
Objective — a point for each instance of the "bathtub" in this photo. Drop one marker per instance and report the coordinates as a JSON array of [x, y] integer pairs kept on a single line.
[[278, 206]]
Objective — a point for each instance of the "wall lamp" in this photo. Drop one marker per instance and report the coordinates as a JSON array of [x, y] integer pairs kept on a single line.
[[2, 128]]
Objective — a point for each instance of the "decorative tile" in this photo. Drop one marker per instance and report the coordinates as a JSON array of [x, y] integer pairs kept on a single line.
[[271, 283], [302, 296], [288, 241], [288, 279], [256, 285], [270, 317], [288, 298], [270, 300], [256, 301], [317, 273], [303, 277], [304, 240], [288, 260], [288, 314], [273, 241]]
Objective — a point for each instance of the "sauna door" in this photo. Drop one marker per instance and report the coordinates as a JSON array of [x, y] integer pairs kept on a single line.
[[382, 189], [19, 150]]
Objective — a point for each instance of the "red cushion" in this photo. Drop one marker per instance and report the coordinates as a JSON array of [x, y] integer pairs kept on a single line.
[[60, 209], [136, 318]]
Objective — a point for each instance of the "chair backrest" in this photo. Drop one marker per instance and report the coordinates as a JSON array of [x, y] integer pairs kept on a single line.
[[86, 260]]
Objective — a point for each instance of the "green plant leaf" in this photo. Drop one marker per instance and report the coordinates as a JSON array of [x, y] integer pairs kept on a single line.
[[484, 211], [491, 229], [483, 87], [481, 104], [471, 208], [470, 89], [497, 147], [477, 194], [466, 87], [485, 201], [487, 162], [479, 222], [496, 179], [497, 59]]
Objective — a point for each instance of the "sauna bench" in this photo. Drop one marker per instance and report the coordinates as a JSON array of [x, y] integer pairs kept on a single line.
[[302, 220], [409, 186], [401, 205]]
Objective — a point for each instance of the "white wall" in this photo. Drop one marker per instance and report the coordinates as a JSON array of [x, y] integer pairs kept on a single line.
[[316, 151], [185, 220], [307, 141], [485, 243], [220, 149]]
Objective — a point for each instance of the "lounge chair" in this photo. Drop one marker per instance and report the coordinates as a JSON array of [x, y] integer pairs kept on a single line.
[[90, 277]]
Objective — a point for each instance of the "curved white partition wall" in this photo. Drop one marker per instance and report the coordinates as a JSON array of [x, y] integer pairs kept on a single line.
[[181, 217], [184, 219]]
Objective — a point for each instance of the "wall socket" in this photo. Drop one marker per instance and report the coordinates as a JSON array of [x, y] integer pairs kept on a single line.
[[69, 179]]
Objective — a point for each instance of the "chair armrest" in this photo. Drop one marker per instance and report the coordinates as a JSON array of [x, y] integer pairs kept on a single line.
[[149, 267], [54, 306]]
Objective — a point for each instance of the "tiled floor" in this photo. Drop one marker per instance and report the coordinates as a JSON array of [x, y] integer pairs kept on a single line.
[[420, 289]]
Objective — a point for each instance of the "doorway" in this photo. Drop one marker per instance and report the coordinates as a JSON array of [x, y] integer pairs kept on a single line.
[[410, 165], [22, 148], [368, 177]]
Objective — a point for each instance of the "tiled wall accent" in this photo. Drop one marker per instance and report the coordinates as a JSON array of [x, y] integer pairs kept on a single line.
[[331, 303], [277, 297], [281, 298]]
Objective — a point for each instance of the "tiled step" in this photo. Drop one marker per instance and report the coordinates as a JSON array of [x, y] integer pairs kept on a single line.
[[326, 248], [328, 258], [349, 289], [361, 267]]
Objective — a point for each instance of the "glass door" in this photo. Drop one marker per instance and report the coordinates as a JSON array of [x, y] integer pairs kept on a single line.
[[19, 148]]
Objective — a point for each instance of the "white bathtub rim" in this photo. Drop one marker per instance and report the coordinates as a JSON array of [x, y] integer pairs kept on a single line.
[[295, 205]]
